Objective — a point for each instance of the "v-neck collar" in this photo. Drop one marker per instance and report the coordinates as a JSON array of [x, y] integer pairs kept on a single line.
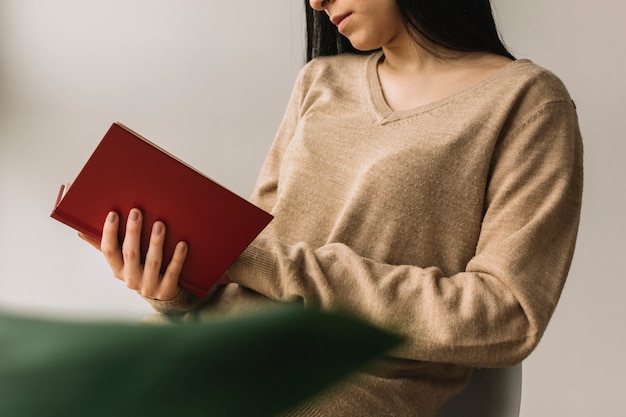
[[385, 114]]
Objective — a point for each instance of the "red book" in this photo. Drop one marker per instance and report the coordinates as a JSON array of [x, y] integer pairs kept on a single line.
[[127, 171]]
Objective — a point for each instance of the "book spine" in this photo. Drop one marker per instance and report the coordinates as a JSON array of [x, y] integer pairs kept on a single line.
[[192, 286]]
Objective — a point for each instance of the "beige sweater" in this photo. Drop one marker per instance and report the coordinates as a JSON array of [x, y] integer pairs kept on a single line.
[[453, 224]]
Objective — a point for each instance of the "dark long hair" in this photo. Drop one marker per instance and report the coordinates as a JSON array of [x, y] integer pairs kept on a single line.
[[453, 25]]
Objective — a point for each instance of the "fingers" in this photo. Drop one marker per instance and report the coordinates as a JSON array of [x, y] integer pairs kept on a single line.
[[126, 263], [131, 250], [109, 244], [154, 258], [169, 281], [154, 284]]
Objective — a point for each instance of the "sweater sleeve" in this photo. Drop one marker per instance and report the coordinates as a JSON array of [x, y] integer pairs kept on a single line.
[[183, 302], [495, 311], [266, 188]]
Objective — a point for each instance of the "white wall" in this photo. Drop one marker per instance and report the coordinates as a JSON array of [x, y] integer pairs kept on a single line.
[[209, 81]]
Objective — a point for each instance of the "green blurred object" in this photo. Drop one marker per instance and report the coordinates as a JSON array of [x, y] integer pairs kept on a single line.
[[253, 365]]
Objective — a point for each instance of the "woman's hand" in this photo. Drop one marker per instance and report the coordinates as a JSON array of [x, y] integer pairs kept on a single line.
[[146, 277]]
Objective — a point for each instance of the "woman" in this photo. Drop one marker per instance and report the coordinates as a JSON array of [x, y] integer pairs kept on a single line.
[[432, 187]]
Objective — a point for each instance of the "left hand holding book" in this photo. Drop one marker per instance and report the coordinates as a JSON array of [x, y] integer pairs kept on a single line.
[[150, 190], [149, 277]]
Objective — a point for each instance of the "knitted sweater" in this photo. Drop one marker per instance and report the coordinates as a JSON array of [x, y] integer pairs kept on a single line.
[[453, 224]]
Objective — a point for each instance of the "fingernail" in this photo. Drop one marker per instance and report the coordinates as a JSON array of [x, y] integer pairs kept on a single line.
[[134, 215], [182, 246], [111, 217], [158, 228]]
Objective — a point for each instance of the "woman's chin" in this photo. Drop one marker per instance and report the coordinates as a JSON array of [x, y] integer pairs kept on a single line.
[[363, 46]]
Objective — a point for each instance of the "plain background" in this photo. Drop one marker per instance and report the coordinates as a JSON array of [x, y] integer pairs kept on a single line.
[[209, 81]]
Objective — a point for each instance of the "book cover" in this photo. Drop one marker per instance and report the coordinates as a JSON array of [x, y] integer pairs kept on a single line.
[[128, 171]]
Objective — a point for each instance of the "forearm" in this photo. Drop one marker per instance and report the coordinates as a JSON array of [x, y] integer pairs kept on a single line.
[[471, 318]]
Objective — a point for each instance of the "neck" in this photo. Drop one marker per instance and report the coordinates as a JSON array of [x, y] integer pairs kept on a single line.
[[411, 76], [413, 60], [406, 57]]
